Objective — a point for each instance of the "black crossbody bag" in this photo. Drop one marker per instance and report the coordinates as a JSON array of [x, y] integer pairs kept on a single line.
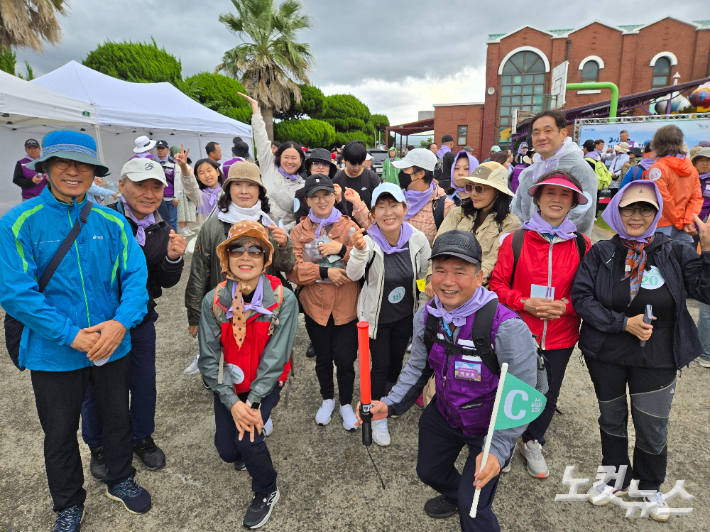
[[13, 327]]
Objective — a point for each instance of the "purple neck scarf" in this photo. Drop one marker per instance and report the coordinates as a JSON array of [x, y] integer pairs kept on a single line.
[[443, 151], [144, 155], [378, 236], [143, 224], [594, 155], [333, 217], [704, 176], [459, 314], [472, 165], [565, 230], [256, 300], [647, 163], [612, 216], [416, 200], [209, 198], [292, 177]]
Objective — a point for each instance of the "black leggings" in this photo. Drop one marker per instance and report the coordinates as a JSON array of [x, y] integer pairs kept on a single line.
[[387, 353], [334, 344], [651, 393]]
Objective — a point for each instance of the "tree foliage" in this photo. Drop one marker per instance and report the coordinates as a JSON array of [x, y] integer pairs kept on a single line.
[[8, 60], [311, 104], [27, 23], [345, 112], [379, 121], [311, 133], [136, 62], [344, 138], [219, 93]]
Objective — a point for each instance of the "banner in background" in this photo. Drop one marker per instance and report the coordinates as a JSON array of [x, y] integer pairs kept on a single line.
[[641, 133]]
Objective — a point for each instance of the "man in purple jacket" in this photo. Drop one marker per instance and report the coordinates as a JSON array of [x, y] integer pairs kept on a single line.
[[31, 182]]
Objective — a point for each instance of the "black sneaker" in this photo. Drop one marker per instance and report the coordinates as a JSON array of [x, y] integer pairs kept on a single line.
[[440, 508], [97, 465], [239, 465], [134, 498], [260, 509], [69, 519], [311, 351], [149, 453]]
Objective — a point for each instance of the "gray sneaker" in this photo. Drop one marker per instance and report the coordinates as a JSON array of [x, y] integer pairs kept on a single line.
[[532, 451], [506, 469]]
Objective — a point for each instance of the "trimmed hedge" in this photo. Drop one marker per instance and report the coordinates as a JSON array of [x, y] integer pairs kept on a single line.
[[310, 133], [136, 62]]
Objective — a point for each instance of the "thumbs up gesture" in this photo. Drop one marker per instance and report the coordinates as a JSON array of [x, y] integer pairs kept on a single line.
[[176, 246], [704, 233], [358, 241]]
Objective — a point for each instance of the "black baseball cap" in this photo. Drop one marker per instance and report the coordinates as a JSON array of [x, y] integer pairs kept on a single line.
[[461, 244], [636, 151], [317, 182], [162, 144], [32, 143], [447, 138]]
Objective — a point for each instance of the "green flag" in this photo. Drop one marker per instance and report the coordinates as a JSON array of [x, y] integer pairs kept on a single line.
[[519, 404]]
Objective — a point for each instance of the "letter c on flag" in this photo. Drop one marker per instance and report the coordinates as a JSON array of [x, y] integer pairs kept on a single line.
[[507, 408]]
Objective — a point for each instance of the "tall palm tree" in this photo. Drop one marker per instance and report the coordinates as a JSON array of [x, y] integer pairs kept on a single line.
[[27, 23], [269, 62]]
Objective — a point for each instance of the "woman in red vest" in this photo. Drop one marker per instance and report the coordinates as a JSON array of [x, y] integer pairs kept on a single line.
[[247, 327]]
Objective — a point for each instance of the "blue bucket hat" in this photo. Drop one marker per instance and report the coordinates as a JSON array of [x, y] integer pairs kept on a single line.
[[71, 145]]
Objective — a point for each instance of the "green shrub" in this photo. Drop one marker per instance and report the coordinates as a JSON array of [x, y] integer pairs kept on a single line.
[[136, 62], [310, 133]]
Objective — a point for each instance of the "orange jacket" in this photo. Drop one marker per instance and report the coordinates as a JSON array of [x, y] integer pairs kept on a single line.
[[678, 182]]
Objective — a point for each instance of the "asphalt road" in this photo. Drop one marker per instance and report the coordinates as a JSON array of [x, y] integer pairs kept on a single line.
[[326, 479]]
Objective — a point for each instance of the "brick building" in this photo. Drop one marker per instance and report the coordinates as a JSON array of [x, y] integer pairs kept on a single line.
[[519, 69]]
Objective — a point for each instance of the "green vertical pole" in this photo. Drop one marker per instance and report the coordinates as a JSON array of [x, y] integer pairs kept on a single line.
[[613, 104]]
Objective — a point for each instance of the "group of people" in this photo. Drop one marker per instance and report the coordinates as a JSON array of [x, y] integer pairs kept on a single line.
[[504, 277]]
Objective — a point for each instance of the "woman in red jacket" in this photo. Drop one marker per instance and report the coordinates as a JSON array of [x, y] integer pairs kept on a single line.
[[538, 287]]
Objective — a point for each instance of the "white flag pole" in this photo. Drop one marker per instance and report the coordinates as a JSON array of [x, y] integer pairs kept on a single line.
[[487, 446]]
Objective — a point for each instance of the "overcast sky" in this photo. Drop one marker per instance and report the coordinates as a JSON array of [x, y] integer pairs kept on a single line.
[[397, 56]]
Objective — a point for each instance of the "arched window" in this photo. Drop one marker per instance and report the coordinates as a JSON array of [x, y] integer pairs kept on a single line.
[[661, 73], [590, 71], [522, 87]]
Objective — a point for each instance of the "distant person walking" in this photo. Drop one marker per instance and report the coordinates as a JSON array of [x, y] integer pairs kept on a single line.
[[31, 182]]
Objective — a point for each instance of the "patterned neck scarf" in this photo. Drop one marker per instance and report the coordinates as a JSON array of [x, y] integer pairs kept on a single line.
[[142, 224], [635, 263]]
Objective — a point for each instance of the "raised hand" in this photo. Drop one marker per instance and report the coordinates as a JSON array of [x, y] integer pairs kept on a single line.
[[176, 246], [358, 241], [280, 235], [351, 196], [704, 232], [181, 159], [338, 193], [252, 101]]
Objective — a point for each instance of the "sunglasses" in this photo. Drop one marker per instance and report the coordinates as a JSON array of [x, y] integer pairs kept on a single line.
[[253, 251], [478, 189]]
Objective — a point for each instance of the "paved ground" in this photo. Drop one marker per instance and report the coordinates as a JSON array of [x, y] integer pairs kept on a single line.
[[325, 476]]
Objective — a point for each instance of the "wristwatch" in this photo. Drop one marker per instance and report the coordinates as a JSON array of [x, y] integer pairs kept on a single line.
[[255, 406]]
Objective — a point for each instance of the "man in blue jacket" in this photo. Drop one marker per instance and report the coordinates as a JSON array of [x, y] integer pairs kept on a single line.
[[75, 330]]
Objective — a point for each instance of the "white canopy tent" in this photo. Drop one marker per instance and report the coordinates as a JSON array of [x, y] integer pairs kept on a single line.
[[31, 111], [127, 110]]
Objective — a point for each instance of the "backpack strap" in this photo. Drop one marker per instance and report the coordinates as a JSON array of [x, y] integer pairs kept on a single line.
[[439, 211], [581, 245], [518, 238], [363, 279]]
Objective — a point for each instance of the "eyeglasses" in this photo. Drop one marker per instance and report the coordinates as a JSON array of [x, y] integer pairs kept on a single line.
[[254, 251], [646, 212], [64, 164], [323, 199], [478, 189]]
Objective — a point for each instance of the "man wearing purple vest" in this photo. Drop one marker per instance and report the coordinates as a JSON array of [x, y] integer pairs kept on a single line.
[[31, 182], [460, 412]]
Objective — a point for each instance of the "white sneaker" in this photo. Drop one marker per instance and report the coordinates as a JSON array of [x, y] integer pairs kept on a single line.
[[380, 434], [349, 418], [506, 469], [192, 369], [325, 411], [532, 451], [600, 495], [704, 362], [268, 427], [660, 511]]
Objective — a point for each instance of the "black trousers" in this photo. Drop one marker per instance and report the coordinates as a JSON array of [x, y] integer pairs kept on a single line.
[[334, 344], [556, 364], [651, 393], [387, 353], [58, 396], [439, 446]]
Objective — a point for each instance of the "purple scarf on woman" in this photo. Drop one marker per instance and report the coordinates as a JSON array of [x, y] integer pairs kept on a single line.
[[594, 154], [292, 177], [378, 236], [520, 148], [256, 300], [565, 230], [612, 216], [472, 164], [459, 315], [333, 217], [143, 224], [416, 200], [209, 198]]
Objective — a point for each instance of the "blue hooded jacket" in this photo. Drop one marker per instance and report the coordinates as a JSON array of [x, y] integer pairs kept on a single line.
[[102, 277]]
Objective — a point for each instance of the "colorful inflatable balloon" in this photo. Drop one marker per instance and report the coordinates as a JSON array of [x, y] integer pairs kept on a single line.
[[700, 98]]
